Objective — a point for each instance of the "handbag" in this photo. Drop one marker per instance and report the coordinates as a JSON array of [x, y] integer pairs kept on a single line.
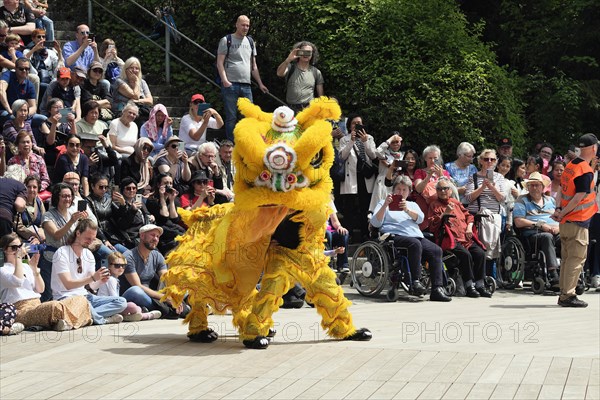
[[363, 168], [338, 169]]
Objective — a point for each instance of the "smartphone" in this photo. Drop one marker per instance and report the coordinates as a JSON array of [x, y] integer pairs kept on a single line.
[[63, 114], [81, 205], [36, 248], [104, 263], [92, 36], [111, 46], [203, 107], [49, 44], [437, 161], [401, 165], [115, 188], [489, 174], [301, 53], [181, 146], [210, 183], [395, 204], [139, 198], [358, 128]]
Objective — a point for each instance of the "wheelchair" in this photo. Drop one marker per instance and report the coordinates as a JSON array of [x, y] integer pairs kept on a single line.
[[378, 264]]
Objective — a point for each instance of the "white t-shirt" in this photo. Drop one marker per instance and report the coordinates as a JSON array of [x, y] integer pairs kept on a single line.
[[13, 289], [187, 124], [126, 137], [110, 288], [65, 260]]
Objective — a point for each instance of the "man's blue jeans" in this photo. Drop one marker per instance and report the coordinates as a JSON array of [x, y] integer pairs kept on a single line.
[[230, 98], [136, 295], [105, 306]]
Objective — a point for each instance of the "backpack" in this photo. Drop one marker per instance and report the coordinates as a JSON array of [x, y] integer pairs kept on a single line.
[[228, 36], [112, 72], [338, 168]]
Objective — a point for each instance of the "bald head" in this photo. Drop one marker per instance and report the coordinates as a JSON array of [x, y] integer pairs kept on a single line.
[[242, 25]]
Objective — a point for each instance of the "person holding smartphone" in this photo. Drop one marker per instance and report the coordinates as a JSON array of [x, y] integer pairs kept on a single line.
[[193, 126], [201, 192], [82, 51], [175, 161], [45, 56]]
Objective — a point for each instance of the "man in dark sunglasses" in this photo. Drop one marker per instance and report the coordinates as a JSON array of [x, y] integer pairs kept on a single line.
[[15, 85], [82, 51]]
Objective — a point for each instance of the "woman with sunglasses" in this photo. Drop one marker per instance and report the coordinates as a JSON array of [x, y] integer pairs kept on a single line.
[[92, 89], [200, 194], [22, 284], [123, 131], [137, 165], [131, 214], [174, 161], [73, 160], [158, 128], [193, 126], [163, 206]]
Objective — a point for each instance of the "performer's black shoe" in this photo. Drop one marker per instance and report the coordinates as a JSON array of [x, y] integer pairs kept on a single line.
[[206, 336], [259, 342], [362, 334]]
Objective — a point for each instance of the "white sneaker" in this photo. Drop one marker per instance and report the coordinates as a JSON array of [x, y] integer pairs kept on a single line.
[[154, 314], [16, 328], [62, 325], [114, 319], [595, 281], [132, 317]]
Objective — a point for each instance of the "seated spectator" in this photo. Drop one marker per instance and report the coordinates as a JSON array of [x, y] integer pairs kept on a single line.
[[58, 222], [2, 155], [30, 226], [131, 214], [123, 131], [462, 168], [39, 9], [131, 87], [403, 224], [111, 63], [17, 85], [175, 162], [387, 153], [11, 49], [535, 163], [93, 90], [137, 165], [102, 159], [200, 193], [20, 123], [12, 199], [459, 225], [145, 266], [90, 122], [426, 178], [503, 168], [227, 168], [65, 87], [204, 160], [45, 61], [163, 206], [73, 161], [412, 159], [532, 216], [21, 284], [116, 266], [82, 51], [192, 129], [31, 163], [158, 128], [73, 268], [19, 20], [59, 128]]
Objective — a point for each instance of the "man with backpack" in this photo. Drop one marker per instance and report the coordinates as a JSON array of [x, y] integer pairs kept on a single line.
[[302, 78], [236, 64]]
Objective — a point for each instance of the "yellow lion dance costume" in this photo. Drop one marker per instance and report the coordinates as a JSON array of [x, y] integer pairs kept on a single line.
[[276, 228]]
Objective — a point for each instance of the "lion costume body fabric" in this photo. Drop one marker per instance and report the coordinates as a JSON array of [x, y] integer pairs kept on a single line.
[[275, 228]]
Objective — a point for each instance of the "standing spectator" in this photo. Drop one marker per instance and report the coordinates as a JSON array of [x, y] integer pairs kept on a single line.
[[137, 165], [302, 78], [593, 259], [175, 162], [32, 164], [426, 178], [73, 160], [227, 168], [82, 51], [558, 168], [192, 129], [505, 147], [546, 153], [145, 266], [39, 8], [236, 63], [45, 61], [577, 206], [356, 189], [73, 268], [12, 200], [19, 20], [131, 87], [387, 154], [462, 168], [123, 131], [92, 89], [158, 128]]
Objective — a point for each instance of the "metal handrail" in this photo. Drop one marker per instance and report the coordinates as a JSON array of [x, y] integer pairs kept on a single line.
[[166, 49]]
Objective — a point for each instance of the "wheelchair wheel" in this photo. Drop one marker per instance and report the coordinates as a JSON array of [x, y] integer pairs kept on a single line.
[[538, 285], [392, 294], [450, 287], [490, 284], [511, 268], [369, 269]]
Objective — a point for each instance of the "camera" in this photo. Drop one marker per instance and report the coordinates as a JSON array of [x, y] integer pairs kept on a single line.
[[302, 53], [169, 189]]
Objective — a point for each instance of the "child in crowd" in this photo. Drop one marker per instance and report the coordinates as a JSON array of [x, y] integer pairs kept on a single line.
[[116, 266], [11, 50]]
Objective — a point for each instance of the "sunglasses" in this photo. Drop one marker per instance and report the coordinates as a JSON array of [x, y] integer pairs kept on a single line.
[[131, 188], [97, 70], [174, 146], [71, 144], [2, 35], [103, 187], [118, 265], [202, 181], [14, 247], [23, 69], [147, 148], [84, 32], [443, 189], [488, 159], [196, 102], [41, 36], [79, 266]]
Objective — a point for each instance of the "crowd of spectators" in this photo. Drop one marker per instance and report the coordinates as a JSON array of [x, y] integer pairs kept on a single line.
[[94, 176]]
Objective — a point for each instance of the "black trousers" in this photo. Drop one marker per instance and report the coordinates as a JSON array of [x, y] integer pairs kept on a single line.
[[471, 261]]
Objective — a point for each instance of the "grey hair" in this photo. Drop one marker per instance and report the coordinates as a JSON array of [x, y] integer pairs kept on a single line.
[[315, 52], [451, 184], [464, 148], [17, 104], [206, 146], [131, 106], [430, 149], [402, 180], [15, 172]]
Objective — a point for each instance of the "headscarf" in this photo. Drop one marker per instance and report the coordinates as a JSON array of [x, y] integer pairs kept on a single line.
[[151, 123], [145, 171]]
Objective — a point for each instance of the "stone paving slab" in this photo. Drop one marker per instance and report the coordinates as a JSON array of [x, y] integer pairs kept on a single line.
[[515, 345]]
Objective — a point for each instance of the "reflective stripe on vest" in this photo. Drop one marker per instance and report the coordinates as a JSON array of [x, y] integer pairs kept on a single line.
[[587, 207]]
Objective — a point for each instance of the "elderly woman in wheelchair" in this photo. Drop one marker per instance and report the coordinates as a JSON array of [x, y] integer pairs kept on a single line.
[[452, 224], [398, 216]]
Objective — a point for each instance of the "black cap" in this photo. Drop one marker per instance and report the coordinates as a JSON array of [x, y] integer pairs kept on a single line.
[[589, 139], [504, 142], [199, 176]]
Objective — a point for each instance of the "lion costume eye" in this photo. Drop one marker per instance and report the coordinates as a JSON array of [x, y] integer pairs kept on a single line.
[[317, 160]]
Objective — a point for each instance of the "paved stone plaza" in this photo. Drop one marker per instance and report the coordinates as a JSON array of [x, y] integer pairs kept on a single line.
[[515, 345]]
